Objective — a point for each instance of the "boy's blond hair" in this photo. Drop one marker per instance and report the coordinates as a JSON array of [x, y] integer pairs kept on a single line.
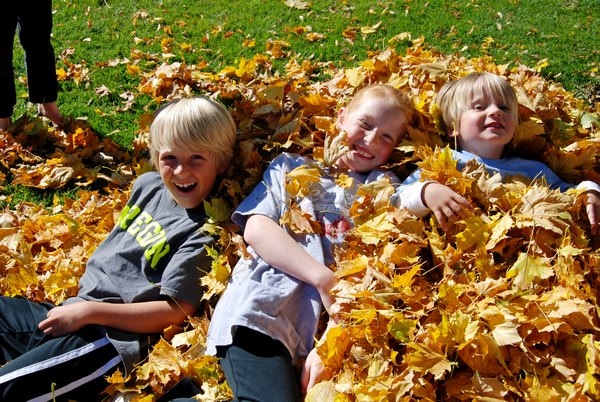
[[456, 97], [197, 123], [396, 97]]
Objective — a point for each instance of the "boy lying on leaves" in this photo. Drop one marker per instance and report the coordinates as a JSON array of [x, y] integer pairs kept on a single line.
[[144, 277]]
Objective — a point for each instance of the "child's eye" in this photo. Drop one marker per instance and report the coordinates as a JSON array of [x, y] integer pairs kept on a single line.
[[364, 124], [168, 157], [198, 157]]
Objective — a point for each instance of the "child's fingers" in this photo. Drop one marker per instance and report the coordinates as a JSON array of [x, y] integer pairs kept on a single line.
[[593, 213]]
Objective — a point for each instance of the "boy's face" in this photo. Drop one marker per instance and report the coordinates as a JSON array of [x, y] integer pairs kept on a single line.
[[188, 175], [374, 128], [486, 127]]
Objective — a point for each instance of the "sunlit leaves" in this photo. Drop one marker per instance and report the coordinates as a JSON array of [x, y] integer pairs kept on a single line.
[[503, 306]]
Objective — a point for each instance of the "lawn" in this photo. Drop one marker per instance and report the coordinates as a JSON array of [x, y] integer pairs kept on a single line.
[[98, 41]]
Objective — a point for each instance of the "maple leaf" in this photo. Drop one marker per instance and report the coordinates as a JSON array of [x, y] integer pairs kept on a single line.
[[217, 209], [299, 180], [482, 354], [162, 368], [299, 4], [528, 269], [440, 166], [335, 146], [331, 348], [476, 233], [427, 359], [506, 333], [299, 221], [322, 392]]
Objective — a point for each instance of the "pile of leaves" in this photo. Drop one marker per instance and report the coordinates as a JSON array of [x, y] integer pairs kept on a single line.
[[504, 306]]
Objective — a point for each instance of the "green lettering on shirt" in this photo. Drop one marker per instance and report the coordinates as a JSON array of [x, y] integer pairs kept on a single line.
[[156, 252], [127, 215], [148, 233], [151, 234], [139, 222]]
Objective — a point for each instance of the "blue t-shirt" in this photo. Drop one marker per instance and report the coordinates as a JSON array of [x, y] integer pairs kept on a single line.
[[409, 191]]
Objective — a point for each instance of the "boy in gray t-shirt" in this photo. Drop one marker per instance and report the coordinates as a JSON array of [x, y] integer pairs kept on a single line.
[[144, 276]]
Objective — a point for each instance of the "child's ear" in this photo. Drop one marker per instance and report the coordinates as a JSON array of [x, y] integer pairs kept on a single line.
[[341, 115], [452, 131]]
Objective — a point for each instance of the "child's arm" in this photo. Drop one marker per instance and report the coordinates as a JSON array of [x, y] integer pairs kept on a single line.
[[591, 201], [278, 249], [145, 317]]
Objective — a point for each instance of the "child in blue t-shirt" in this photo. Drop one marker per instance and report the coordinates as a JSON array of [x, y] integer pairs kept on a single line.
[[264, 324], [481, 112], [142, 278]]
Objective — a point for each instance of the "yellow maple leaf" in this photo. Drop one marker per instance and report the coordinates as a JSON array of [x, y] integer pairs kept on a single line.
[[376, 229], [401, 328], [299, 180], [440, 166], [506, 333], [323, 392], [332, 347], [162, 369], [217, 209], [427, 359], [335, 145], [476, 233], [482, 354], [351, 267], [528, 269]]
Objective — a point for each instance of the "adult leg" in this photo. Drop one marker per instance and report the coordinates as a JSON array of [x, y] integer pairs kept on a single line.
[[8, 96], [35, 29], [259, 368], [69, 367]]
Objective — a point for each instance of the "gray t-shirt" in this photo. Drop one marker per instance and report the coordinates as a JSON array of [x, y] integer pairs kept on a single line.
[[265, 299], [154, 252]]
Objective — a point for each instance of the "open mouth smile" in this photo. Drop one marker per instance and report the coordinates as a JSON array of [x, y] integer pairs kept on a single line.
[[185, 187], [362, 153]]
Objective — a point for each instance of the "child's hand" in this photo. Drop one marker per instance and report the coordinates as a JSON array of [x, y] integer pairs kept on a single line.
[[62, 320], [313, 372], [445, 203], [591, 201]]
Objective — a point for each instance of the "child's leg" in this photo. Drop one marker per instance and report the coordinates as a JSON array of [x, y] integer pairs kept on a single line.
[[19, 319], [259, 368], [72, 366]]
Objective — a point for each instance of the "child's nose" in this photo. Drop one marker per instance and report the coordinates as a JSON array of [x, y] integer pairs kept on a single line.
[[494, 109], [371, 137], [179, 168]]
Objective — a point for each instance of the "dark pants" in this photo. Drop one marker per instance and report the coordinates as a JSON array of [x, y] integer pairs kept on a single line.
[[259, 368], [34, 19], [46, 368]]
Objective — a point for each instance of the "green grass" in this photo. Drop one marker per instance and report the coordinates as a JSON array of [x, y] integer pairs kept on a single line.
[[102, 36]]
